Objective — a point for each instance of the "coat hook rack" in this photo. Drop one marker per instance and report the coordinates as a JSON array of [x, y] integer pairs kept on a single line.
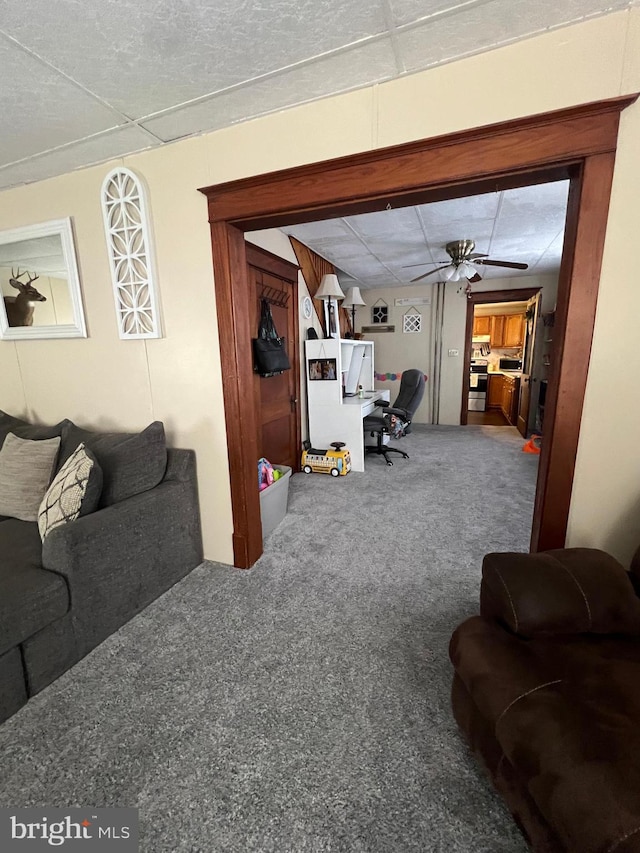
[[274, 296]]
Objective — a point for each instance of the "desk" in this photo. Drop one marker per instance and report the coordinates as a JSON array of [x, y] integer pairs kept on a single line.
[[343, 422]]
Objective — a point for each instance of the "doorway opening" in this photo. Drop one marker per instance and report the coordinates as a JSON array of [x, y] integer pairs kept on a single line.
[[577, 144], [505, 357]]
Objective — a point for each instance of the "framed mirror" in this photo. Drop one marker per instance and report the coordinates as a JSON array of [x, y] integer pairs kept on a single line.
[[40, 283]]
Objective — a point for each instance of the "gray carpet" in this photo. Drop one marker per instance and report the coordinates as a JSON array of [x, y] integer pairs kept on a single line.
[[304, 705]]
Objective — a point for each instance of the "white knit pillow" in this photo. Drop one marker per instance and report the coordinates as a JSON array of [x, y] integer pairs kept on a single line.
[[74, 491], [26, 467]]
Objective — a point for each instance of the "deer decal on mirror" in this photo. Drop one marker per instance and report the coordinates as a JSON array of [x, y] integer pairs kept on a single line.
[[20, 308], [39, 283]]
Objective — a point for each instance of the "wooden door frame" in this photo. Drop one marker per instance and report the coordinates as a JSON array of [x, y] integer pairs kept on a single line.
[[482, 298], [267, 262], [577, 143]]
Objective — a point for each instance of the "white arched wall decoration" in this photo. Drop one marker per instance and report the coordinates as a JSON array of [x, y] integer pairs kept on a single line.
[[126, 225]]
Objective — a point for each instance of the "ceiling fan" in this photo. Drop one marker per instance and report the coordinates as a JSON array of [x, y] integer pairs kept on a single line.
[[464, 261]]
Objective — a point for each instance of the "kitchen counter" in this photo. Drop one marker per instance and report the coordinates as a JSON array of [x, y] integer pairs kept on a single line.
[[515, 373]]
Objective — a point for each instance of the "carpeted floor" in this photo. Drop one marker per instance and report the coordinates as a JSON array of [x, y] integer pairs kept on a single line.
[[304, 705]]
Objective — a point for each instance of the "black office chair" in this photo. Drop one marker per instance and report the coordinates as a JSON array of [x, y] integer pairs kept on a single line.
[[404, 407]]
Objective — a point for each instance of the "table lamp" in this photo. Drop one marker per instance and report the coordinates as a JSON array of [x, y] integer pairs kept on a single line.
[[353, 298], [330, 289]]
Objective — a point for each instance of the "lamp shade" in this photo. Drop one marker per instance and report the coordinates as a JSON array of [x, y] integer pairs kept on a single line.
[[353, 297], [329, 288]]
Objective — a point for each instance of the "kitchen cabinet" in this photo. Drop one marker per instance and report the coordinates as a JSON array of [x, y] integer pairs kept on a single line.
[[497, 330], [494, 391], [510, 394], [514, 330], [481, 326], [505, 330]]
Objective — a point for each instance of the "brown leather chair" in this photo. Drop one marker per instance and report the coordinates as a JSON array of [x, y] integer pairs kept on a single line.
[[547, 693]]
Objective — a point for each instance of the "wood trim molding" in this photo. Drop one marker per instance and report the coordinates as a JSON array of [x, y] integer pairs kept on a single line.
[[313, 266], [270, 263], [236, 363], [587, 213], [578, 143], [385, 175]]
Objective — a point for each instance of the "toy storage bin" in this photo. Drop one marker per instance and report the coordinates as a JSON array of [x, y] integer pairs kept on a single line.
[[273, 501]]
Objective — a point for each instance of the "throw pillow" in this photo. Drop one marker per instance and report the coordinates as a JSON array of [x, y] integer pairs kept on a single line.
[[26, 467], [23, 429], [131, 463], [75, 491]]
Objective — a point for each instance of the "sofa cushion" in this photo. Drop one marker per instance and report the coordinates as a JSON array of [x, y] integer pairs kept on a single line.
[[564, 711], [26, 468], [75, 491], [23, 429], [31, 597], [130, 463], [565, 591], [574, 744]]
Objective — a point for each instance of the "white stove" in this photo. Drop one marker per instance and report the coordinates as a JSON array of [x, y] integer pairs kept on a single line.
[[478, 383]]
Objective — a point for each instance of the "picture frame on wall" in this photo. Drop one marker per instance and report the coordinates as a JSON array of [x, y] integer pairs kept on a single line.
[[322, 369], [40, 283]]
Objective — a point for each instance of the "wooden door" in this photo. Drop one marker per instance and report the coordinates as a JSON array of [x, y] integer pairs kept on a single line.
[[276, 397], [524, 401]]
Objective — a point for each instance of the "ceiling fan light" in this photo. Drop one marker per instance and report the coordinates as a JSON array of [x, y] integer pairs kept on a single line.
[[467, 269], [451, 273]]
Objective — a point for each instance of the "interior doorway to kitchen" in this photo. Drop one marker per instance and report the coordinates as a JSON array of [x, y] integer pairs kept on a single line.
[[497, 347], [497, 330]]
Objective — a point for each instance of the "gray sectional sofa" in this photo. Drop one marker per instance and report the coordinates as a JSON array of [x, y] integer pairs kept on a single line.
[[62, 596]]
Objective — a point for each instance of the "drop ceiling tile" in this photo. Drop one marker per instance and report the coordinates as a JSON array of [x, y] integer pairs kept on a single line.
[[335, 247], [116, 144], [481, 27], [158, 53], [529, 222], [359, 67], [482, 206], [41, 110], [408, 11], [377, 249], [385, 222], [464, 228], [327, 229]]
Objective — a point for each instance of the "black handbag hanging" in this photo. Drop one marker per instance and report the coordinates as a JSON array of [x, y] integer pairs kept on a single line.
[[269, 352]]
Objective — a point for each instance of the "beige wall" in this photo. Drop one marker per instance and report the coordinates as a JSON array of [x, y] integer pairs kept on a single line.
[[102, 381], [396, 351]]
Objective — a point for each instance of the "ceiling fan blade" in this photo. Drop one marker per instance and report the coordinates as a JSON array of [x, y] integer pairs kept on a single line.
[[513, 265], [475, 278], [423, 264], [475, 255], [431, 272]]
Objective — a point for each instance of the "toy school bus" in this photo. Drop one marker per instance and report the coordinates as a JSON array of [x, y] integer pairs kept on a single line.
[[334, 461]]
